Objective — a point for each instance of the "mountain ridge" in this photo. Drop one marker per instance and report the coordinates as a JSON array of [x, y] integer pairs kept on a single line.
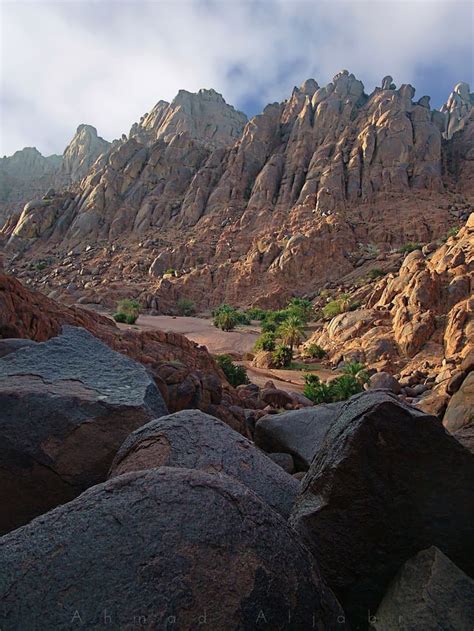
[[314, 178]]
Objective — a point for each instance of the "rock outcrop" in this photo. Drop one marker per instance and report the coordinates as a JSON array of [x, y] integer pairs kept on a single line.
[[388, 482], [66, 407], [416, 314], [159, 548], [193, 440]]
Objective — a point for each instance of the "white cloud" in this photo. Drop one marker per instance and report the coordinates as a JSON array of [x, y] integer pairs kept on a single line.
[[107, 62]]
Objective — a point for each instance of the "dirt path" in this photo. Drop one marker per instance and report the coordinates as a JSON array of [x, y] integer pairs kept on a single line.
[[235, 343], [205, 333]]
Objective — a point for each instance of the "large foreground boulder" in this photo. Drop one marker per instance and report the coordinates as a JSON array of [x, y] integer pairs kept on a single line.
[[66, 406], [388, 482], [194, 440], [299, 432], [161, 549], [429, 592]]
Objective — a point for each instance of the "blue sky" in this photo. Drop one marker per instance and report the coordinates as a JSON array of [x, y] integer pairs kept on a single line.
[[106, 62]]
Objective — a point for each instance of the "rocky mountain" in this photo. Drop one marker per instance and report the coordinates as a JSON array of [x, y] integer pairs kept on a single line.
[[28, 174], [24, 175], [253, 216]]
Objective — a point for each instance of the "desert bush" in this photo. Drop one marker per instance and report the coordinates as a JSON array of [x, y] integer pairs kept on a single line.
[[255, 313], [186, 307], [336, 306], [268, 326], [314, 351], [375, 273], [353, 306], [120, 317], [236, 375], [227, 317], [410, 247], [127, 311], [300, 308], [332, 309], [266, 342], [282, 356], [357, 370], [170, 271], [339, 389], [317, 391]]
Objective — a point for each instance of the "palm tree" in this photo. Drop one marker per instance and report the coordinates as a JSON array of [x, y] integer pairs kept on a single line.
[[291, 332]]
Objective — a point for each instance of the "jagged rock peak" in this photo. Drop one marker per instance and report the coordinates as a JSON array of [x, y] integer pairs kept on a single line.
[[204, 116], [81, 153], [458, 108]]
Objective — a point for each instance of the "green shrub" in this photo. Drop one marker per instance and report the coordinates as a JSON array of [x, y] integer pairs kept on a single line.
[[236, 375], [300, 308], [128, 311], [452, 232], [227, 317], [353, 306], [410, 247], [317, 391], [242, 317], [357, 370], [332, 309], [314, 351], [254, 313], [282, 356], [40, 266], [376, 272], [339, 389], [170, 271], [268, 326], [186, 307], [120, 317], [345, 386], [266, 342], [225, 320]]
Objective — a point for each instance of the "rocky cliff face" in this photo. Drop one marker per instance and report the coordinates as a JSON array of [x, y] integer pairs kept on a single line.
[[80, 155], [323, 176], [24, 175], [29, 175]]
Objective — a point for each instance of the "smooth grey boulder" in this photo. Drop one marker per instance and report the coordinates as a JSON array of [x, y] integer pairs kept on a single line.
[[429, 592], [194, 440], [12, 344], [162, 549], [388, 482], [66, 406], [299, 432]]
